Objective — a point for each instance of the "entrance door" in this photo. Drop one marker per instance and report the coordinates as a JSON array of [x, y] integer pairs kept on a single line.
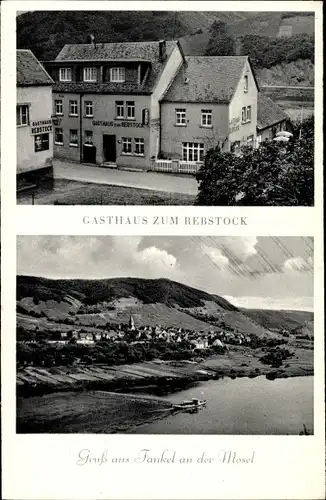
[[109, 148]]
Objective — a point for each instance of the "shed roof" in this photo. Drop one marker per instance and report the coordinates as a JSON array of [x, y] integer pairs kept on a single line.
[[30, 71], [209, 79], [269, 113]]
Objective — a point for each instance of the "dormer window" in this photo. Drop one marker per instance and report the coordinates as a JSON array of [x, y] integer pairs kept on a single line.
[[90, 75], [65, 74], [246, 83], [117, 74]]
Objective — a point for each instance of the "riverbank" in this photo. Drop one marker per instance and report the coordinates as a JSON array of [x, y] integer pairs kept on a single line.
[[158, 377]]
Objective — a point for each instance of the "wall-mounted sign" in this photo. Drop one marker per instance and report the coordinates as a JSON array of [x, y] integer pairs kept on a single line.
[[117, 124], [234, 124], [145, 116], [41, 142], [41, 126]]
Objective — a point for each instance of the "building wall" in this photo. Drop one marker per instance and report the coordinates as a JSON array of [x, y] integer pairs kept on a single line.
[[39, 100], [173, 135], [269, 133], [171, 68], [104, 110], [239, 131]]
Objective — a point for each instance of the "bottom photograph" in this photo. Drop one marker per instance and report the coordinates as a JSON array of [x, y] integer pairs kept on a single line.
[[165, 335]]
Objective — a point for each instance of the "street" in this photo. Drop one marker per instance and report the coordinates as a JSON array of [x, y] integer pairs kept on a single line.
[[143, 180]]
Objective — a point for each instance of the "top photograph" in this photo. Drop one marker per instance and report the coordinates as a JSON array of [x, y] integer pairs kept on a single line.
[[165, 108]]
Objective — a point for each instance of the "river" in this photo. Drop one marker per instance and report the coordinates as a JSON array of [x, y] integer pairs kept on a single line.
[[242, 406]]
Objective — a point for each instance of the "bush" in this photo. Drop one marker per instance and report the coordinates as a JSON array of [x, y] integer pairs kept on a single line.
[[270, 175]]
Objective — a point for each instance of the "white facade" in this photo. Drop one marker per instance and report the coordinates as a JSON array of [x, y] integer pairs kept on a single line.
[[34, 128]]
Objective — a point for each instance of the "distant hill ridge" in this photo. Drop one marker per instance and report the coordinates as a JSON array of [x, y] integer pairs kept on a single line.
[[148, 291], [93, 303]]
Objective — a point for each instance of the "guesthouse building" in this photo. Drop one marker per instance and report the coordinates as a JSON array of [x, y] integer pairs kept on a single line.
[[106, 100], [34, 122]]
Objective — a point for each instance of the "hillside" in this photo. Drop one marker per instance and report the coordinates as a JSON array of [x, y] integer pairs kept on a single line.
[[274, 320], [47, 304]]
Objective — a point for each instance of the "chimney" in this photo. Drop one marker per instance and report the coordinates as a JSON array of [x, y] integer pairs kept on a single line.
[[91, 39], [162, 50]]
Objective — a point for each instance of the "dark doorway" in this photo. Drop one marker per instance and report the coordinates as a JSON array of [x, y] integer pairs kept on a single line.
[[89, 154], [109, 148]]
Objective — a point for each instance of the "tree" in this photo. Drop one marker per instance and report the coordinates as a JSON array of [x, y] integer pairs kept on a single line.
[[275, 174], [220, 42]]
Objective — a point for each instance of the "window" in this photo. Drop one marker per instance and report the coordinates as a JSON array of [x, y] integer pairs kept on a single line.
[[73, 137], [259, 139], [58, 105], [180, 117], [192, 151], [130, 110], [89, 108], [65, 74], [22, 115], [73, 108], [139, 147], [58, 136], [126, 145], [206, 117], [119, 109], [90, 75], [250, 140], [88, 138], [246, 114], [117, 74], [246, 83], [41, 142]]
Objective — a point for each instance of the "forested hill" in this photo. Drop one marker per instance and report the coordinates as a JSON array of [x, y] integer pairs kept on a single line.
[[46, 32]]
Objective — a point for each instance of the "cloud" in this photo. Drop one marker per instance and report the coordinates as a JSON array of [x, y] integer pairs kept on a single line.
[[216, 256], [241, 248], [155, 257], [298, 264]]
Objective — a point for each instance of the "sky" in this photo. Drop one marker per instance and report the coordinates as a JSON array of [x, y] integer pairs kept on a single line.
[[253, 272]]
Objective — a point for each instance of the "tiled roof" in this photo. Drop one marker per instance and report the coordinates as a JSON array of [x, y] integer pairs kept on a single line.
[[269, 113], [30, 71], [209, 79], [129, 51]]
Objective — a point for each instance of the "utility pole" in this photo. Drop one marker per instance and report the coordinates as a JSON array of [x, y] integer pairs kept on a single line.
[[301, 121], [174, 25]]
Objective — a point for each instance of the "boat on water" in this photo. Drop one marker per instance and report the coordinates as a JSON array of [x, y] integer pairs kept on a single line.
[[190, 405]]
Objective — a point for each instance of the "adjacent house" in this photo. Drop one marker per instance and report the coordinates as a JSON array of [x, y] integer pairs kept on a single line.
[[270, 119], [34, 122], [212, 101]]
